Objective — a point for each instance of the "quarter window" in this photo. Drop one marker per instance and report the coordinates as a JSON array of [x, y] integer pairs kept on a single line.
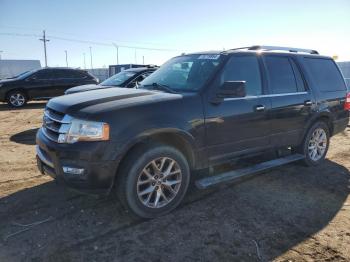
[[244, 68], [325, 74], [280, 75]]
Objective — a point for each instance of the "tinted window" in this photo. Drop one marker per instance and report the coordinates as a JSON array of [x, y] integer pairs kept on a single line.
[[280, 75], [299, 79], [244, 68], [58, 74], [43, 75], [69, 74], [325, 74]]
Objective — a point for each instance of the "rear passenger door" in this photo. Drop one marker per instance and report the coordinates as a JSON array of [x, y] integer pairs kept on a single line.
[[66, 78], [291, 101]]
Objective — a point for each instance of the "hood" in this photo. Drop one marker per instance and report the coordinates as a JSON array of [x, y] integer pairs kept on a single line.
[[84, 88], [106, 100], [3, 81]]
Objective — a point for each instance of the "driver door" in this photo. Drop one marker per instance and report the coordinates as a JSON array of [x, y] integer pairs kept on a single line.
[[237, 126]]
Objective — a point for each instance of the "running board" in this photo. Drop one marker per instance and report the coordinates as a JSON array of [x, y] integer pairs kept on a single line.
[[234, 175]]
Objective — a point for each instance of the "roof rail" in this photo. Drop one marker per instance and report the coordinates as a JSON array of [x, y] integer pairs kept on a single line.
[[281, 48]]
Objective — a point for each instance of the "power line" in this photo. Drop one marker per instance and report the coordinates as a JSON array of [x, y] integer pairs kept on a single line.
[[96, 42]]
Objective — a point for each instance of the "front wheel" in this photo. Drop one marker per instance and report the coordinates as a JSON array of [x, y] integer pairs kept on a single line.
[[16, 99], [315, 144], [153, 180]]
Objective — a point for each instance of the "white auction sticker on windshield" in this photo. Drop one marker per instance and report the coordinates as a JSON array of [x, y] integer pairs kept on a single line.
[[214, 57]]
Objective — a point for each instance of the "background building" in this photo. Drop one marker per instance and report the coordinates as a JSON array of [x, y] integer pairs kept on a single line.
[[10, 68]]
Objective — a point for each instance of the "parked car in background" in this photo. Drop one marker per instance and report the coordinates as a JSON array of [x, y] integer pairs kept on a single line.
[[196, 111], [42, 84], [128, 78]]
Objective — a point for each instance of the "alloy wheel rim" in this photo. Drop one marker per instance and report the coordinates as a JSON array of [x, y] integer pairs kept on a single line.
[[317, 144], [17, 99], [159, 182]]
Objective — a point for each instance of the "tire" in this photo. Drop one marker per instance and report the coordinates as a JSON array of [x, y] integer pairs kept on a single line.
[[147, 189], [315, 144], [17, 99]]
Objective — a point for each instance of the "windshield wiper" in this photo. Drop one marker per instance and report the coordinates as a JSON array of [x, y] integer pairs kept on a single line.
[[157, 86]]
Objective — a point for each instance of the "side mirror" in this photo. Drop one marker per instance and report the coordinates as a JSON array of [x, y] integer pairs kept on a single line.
[[31, 78], [229, 89], [232, 89]]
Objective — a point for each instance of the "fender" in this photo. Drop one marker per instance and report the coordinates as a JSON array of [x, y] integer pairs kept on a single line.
[[325, 113], [147, 134]]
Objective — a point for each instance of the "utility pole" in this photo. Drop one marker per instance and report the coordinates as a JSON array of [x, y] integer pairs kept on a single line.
[[66, 58], [135, 57], [117, 47], [143, 59], [44, 41], [90, 57], [84, 61]]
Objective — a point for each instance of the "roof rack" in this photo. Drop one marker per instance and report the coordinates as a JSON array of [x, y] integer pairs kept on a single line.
[[281, 48]]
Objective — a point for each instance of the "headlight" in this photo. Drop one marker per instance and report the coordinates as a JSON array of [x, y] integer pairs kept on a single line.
[[81, 130]]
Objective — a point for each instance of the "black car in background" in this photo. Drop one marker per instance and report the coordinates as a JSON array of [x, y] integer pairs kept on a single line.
[[42, 84], [127, 78]]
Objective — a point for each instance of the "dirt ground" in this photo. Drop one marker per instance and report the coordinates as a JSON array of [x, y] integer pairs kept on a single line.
[[292, 213]]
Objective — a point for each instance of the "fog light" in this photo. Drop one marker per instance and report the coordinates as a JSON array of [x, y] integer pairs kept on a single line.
[[73, 170]]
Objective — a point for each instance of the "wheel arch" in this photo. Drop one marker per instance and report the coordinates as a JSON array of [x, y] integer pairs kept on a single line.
[[179, 139], [176, 138], [325, 117], [21, 89]]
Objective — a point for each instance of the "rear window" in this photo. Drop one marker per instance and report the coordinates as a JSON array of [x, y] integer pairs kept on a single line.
[[325, 74]]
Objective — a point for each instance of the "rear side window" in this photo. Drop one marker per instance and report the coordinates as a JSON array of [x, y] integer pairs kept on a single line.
[[244, 68], [281, 76], [325, 74], [299, 79]]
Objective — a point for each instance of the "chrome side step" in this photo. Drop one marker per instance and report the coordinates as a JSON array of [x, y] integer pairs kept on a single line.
[[233, 175]]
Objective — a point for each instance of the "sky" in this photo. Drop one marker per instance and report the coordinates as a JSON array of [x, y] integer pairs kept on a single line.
[[154, 31]]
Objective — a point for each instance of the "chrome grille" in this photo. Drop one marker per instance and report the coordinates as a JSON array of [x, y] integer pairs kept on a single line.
[[54, 124]]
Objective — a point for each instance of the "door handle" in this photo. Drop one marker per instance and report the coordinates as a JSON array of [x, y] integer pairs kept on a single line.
[[259, 108], [308, 102]]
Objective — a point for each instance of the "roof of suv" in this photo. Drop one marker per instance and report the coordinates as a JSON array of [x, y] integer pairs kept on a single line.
[[265, 49]]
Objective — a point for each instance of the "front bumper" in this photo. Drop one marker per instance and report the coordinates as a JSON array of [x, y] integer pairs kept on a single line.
[[94, 158]]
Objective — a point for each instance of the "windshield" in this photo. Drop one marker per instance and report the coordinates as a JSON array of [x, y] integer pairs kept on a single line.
[[25, 74], [118, 79], [184, 73]]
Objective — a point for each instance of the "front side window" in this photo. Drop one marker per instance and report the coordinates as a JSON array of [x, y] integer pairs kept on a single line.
[[118, 79], [280, 75], [184, 73], [43, 75], [244, 68]]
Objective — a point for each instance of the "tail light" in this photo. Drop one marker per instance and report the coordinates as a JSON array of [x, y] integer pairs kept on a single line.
[[347, 102]]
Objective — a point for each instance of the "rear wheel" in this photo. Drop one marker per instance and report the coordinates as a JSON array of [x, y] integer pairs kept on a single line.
[[315, 144], [153, 180], [16, 99]]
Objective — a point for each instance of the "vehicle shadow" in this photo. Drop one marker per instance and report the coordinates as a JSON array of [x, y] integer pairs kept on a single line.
[[275, 211], [30, 105], [26, 137]]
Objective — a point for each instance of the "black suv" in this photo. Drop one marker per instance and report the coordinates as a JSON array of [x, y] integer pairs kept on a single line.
[[129, 78], [42, 84], [197, 111]]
